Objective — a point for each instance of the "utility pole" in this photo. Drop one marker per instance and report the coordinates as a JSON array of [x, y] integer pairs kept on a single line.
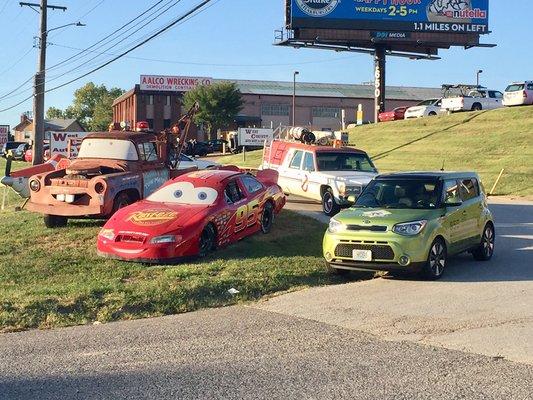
[[39, 82]]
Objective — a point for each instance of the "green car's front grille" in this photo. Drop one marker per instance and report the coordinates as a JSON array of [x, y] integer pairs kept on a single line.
[[371, 228], [379, 251]]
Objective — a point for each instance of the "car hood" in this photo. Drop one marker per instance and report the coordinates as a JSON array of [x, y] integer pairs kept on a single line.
[[384, 216], [151, 218], [350, 177]]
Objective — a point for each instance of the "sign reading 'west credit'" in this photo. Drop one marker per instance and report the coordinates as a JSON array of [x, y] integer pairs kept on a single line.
[[255, 136], [173, 83], [445, 16]]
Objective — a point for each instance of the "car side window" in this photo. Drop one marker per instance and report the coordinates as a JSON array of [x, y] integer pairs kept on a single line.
[[451, 192], [309, 162], [148, 151], [469, 189], [251, 184], [296, 161], [233, 193], [530, 86]]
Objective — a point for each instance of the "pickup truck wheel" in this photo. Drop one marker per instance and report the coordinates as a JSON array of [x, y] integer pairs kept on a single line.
[[432, 114], [477, 107], [329, 205], [55, 221], [122, 200]]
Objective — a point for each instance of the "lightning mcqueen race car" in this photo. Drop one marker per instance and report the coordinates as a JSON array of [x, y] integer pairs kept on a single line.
[[192, 215]]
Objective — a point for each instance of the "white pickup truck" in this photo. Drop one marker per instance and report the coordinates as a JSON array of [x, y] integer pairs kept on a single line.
[[476, 100]]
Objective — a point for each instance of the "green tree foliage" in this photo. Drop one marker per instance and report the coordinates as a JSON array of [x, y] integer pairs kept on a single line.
[[219, 104], [92, 106]]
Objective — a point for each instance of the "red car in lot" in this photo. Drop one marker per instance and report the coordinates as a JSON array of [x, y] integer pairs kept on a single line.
[[193, 214], [394, 115]]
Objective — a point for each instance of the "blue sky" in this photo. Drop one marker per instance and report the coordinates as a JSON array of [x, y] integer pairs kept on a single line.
[[233, 39]]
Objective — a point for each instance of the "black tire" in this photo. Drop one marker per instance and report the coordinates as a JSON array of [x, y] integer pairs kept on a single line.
[[437, 260], [55, 221], [122, 200], [485, 250], [335, 271], [432, 114], [267, 218], [207, 242], [329, 205], [477, 107]]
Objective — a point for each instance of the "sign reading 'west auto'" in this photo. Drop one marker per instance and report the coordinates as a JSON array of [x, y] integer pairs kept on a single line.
[[173, 83]]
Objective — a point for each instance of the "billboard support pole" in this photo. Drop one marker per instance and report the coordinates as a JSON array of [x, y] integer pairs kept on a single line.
[[379, 81]]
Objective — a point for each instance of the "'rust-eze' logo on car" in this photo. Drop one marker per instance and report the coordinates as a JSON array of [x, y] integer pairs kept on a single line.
[[152, 217]]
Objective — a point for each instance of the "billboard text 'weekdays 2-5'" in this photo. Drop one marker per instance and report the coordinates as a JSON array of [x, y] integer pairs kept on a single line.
[[448, 16]]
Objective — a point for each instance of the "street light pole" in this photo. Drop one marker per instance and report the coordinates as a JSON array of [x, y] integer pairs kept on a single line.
[[294, 97], [479, 72]]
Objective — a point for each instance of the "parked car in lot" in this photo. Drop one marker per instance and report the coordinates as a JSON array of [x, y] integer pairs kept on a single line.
[[216, 145], [9, 146], [28, 155], [192, 215], [327, 174], [19, 152], [186, 162], [518, 94], [476, 100], [427, 108], [412, 222], [394, 115], [197, 149]]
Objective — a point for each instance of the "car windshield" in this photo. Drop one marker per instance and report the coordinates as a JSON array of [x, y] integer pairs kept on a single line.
[[184, 193], [400, 194], [427, 102], [515, 88], [113, 149], [331, 161]]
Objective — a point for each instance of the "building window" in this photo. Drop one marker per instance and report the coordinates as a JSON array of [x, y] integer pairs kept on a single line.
[[275, 109], [151, 100], [326, 112], [167, 100], [166, 124]]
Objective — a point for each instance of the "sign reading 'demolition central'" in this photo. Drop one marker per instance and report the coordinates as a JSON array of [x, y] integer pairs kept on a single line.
[[173, 83]]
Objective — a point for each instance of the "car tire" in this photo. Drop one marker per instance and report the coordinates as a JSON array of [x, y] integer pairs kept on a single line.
[[122, 200], [432, 114], [267, 218], [435, 265], [335, 271], [55, 221], [477, 107], [485, 250], [329, 205], [207, 241]]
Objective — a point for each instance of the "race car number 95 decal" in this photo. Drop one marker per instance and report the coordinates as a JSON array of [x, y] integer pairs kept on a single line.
[[247, 215]]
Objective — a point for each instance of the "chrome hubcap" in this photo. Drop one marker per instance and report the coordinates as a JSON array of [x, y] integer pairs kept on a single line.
[[328, 202], [488, 241], [437, 258]]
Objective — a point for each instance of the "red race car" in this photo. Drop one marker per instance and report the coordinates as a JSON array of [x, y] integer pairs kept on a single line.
[[394, 115], [193, 214]]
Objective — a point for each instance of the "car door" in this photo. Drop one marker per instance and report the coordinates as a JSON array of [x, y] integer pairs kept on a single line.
[[496, 99], [471, 211], [310, 186], [235, 200], [452, 218], [254, 194], [292, 174]]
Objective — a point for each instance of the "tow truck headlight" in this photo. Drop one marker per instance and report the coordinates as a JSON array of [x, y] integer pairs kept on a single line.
[[410, 228], [165, 239], [108, 234], [35, 185], [335, 226], [342, 188]]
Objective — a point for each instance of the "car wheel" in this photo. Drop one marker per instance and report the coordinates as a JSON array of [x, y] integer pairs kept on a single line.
[[432, 114], [477, 107], [207, 241], [122, 200], [267, 218], [437, 260], [485, 250], [335, 271], [329, 205], [55, 221]]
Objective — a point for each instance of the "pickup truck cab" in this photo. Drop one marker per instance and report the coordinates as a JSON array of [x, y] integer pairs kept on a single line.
[[475, 100], [333, 176]]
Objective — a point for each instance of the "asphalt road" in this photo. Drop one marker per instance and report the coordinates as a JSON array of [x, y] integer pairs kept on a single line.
[[243, 353], [486, 308]]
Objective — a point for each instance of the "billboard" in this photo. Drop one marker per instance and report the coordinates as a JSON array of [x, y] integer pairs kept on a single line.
[[445, 16], [4, 134], [255, 136], [59, 142], [164, 83]]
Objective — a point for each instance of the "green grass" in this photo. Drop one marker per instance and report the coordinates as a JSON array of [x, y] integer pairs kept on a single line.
[[486, 142], [52, 278]]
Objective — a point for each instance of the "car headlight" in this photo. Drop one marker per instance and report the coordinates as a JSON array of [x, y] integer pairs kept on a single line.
[[108, 234], [410, 228], [35, 185], [335, 226], [165, 239], [342, 188]]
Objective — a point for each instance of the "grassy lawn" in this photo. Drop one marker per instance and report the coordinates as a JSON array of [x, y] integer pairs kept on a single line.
[[53, 278], [486, 142]]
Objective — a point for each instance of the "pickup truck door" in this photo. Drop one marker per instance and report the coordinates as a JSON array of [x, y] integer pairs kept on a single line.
[[496, 99], [309, 185], [154, 172], [291, 174]]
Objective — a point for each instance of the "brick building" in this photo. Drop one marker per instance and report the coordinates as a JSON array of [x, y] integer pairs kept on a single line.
[[269, 104], [23, 132]]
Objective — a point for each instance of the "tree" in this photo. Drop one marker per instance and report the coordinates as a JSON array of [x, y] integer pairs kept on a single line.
[[219, 104], [92, 106]]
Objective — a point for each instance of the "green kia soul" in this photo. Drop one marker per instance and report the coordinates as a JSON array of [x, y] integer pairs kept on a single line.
[[412, 222]]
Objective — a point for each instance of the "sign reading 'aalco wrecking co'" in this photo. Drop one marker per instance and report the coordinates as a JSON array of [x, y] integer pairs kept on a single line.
[[173, 83]]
